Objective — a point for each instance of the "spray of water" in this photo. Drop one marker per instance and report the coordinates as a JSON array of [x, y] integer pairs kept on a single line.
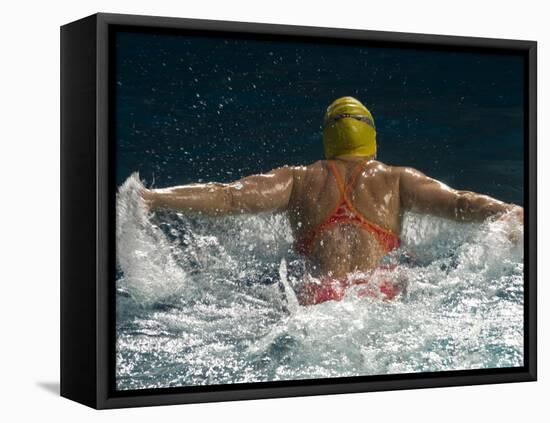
[[211, 301]]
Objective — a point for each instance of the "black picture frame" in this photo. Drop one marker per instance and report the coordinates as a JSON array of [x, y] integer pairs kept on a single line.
[[87, 216]]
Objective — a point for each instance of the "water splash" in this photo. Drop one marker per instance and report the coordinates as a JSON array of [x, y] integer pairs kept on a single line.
[[210, 301]]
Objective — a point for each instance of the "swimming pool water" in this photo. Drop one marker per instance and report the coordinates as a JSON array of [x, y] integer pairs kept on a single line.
[[204, 301]]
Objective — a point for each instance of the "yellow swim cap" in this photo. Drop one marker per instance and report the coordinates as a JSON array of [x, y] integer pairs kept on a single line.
[[348, 129]]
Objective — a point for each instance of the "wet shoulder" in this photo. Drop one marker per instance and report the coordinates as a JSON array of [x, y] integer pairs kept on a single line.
[[398, 172], [308, 176], [308, 171], [380, 169]]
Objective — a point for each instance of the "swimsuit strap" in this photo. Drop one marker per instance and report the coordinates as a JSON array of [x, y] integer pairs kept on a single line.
[[344, 188], [338, 177], [387, 239], [357, 170]]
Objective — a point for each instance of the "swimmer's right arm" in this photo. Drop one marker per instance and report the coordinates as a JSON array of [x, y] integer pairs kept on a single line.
[[265, 192], [420, 193]]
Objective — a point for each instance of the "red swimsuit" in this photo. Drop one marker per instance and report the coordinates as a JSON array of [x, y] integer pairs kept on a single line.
[[345, 213]]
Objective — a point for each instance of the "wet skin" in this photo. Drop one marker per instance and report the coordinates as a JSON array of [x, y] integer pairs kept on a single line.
[[381, 193]]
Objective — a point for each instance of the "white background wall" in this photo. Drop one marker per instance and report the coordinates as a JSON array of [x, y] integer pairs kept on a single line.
[[29, 166]]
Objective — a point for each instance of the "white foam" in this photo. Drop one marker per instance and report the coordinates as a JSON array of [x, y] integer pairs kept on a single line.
[[204, 314]]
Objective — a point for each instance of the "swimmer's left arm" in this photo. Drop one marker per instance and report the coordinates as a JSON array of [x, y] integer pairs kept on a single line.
[[256, 193], [420, 193]]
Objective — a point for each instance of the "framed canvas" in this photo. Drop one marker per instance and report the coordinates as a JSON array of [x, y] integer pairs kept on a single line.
[[255, 211]]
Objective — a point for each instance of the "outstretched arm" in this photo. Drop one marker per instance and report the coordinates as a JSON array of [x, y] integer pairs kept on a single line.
[[426, 195], [256, 193]]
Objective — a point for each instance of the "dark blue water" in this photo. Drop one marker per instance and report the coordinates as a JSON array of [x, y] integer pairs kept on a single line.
[[195, 108]]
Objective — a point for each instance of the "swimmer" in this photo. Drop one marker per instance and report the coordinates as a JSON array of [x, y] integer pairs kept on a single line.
[[346, 211]]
